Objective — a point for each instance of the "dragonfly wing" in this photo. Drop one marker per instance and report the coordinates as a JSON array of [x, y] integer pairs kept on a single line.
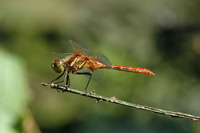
[[96, 75], [62, 55], [79, 48], [102, 58]]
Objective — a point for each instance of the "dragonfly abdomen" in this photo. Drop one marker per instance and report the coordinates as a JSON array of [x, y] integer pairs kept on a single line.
[[131, 69]]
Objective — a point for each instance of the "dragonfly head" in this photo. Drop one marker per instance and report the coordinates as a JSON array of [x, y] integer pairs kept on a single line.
[[58, 66]]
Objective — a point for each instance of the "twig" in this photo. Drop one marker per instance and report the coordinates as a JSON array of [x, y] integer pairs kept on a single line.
[[116, 101]]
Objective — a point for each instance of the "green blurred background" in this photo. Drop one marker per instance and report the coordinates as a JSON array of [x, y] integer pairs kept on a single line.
[[163, 36]]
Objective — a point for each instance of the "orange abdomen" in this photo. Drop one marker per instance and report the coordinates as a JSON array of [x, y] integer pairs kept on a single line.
[[131, 69]]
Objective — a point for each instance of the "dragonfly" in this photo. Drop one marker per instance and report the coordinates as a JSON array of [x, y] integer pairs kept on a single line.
[[68, 63]]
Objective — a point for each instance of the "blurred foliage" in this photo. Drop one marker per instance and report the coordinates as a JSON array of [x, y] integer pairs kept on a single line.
[[14, 95], [162, 36]]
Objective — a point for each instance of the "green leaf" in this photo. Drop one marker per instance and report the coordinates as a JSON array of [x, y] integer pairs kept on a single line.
[[14, 94]]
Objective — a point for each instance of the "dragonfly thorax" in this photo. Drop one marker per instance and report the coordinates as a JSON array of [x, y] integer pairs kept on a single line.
[[58, 66]]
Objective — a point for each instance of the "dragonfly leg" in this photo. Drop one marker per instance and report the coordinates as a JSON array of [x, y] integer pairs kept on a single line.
[[86, 73], [68, 81], [62, 80], [57, 77]]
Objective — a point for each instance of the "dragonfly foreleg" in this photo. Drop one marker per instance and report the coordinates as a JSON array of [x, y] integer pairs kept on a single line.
[[90, 76], [57, 77], [62, 80]]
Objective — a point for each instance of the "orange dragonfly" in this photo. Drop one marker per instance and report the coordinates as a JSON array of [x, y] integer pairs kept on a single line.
[[73, 62]]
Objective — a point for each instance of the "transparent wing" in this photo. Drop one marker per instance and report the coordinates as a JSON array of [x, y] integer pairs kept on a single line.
[[62, 55], [79, 48], [102, 58], [96, 75]]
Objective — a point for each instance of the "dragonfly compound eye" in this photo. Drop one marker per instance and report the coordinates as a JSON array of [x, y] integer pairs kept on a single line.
[[58, 65]]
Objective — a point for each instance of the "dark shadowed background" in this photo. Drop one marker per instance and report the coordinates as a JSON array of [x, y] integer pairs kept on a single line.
[[163, 36]]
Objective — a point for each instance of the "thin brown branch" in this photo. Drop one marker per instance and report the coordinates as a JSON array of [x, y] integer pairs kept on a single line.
[[116, 101]]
